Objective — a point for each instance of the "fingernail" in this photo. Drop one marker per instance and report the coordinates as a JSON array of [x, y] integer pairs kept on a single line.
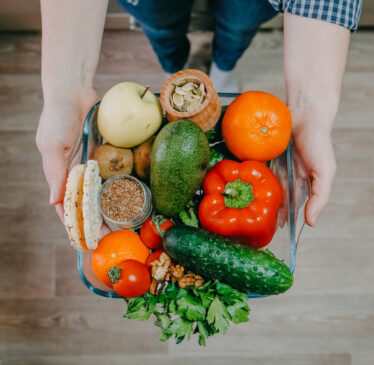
[[52, 197], [313, 216]]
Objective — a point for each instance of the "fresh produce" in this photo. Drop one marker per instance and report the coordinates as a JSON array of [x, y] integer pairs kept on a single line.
[[128, 115], [182, 99], [179, 161], [130, 278], [142, 158], [257, 126], [115, 247], [113, 160], [216, 257], [188, 215], [215, 157], [241, 201], [152, 230], [153, 257], [82, 216], [181, 312]]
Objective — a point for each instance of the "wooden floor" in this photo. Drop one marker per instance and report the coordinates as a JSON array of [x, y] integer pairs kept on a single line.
[[47, 316]]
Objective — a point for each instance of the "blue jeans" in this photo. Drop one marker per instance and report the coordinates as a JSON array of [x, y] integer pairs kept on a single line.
[[165, 22]]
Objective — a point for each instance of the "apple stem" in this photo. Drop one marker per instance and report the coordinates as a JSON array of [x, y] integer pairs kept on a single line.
[[146, 89]]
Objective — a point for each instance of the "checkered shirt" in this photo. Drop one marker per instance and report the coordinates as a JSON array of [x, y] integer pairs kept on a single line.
[[342, 12]]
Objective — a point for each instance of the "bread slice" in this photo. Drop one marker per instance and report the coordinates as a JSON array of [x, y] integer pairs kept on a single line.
[[71, 206], [81, 205], [92, 218]]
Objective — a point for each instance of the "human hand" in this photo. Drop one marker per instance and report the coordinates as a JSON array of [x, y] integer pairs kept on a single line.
[[58, 136], [313, 142]]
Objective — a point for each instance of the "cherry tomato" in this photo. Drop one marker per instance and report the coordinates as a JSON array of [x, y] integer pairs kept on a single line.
[[153, 257], [130, 278], [149, 234]]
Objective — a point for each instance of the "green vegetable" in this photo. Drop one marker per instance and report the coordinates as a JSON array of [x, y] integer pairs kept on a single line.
[[216, 257], [179, 161], [215, 157], [182, 312], [215, 134], [188, 216]]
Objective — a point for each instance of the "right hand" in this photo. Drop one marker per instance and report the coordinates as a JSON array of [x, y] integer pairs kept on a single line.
[[59, 132]]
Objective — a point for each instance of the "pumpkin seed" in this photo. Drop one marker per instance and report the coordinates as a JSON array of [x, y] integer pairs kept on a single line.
[[187, 96]]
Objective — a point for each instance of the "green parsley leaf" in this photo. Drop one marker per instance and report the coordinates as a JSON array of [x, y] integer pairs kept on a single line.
[[191, 308], [142, 314], [179, 340], [239, 312], [165, 334], [151, 303], [203, 333], [163, 320], [134, 304], [181, 327], [217, 315], [172, 306], [223, 289]]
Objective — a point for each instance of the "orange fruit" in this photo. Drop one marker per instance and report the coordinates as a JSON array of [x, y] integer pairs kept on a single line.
[[257, 126], [115, 247]]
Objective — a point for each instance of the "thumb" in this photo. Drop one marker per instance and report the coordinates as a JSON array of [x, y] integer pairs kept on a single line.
[[55, 171], [321, 187]]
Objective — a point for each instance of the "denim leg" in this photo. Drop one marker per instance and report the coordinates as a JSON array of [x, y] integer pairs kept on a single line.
[[236, 23], [165, 23]]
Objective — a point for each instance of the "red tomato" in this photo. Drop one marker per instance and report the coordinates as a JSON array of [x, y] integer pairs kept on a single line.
[[153, 257], [130, 278], [149, 234]]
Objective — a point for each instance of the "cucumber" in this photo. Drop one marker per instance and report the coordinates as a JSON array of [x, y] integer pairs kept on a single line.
[[216, 257]]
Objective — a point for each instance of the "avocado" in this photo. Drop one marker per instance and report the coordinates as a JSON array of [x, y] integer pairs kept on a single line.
[[179, 161]]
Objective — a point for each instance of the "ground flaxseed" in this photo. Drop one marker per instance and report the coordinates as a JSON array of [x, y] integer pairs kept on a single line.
[[122, 200]]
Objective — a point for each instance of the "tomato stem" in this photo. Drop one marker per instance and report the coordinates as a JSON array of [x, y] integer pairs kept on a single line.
[[158, 220], [114, 274]]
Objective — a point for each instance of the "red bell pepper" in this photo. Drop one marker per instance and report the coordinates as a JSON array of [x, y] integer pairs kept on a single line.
[[241, 201]]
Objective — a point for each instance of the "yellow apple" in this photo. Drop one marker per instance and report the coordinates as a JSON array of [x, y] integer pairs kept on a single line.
[[125, 118]]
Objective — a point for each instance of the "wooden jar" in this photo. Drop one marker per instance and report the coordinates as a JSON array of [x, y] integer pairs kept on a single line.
[[205, 115]]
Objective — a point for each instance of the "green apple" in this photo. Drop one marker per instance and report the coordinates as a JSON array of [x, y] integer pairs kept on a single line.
[[127, 117]]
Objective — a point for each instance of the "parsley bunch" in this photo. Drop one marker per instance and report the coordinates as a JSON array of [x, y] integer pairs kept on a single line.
[[180, 312]]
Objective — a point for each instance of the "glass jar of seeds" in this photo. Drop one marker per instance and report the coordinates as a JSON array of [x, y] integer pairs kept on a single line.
[[125, 202]]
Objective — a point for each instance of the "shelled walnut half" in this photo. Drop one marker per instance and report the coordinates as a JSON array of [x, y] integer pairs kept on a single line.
[[191, 279], [164, 270]]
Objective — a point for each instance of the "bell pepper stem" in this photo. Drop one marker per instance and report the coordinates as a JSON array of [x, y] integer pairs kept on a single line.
[[238, 194]]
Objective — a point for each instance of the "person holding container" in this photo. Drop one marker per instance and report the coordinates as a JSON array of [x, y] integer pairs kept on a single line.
[[316, 39]]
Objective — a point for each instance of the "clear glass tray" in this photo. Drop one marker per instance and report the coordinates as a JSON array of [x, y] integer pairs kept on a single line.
[[288, 168]]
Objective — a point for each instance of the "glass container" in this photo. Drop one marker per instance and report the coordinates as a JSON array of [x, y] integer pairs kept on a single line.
[[289, 169]]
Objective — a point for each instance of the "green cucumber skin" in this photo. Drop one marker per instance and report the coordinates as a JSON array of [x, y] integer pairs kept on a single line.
[[216, 257], [179, 161]]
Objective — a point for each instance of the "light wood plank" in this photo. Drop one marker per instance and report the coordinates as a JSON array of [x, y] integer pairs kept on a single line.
[[74, 326], [335, 359], [27, 269], [295, 325]]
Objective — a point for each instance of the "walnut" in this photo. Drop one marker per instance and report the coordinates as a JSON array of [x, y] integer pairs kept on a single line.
[[191, 279], [152, 288], [161, 267], [176, 272], [157, 287]]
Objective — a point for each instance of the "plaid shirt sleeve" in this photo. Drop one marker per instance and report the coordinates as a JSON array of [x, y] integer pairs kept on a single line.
[[342, 12]]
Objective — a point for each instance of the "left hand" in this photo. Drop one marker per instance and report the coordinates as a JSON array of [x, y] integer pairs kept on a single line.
[[315, 54], [314, 144]]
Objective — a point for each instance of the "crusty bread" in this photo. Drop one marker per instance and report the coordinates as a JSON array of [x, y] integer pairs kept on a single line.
[[71, 204], [83, 235], [92, 218]]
